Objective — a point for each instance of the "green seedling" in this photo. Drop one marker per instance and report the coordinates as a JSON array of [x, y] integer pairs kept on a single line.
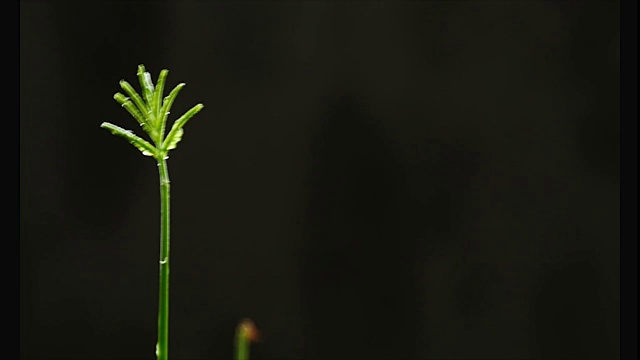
[[151, 111]]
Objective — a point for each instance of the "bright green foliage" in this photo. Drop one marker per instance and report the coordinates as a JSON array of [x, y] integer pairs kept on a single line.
[[142, 145], [151, 111]]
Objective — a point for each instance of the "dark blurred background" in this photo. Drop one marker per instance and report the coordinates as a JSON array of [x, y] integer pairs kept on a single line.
[[367, 180]]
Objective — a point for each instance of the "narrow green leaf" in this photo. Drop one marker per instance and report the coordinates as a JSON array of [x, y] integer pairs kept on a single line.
[[145, 122], [147, 86], [133, 94], [141, 144], [127, 104], [166, 106], [177, 126], [175, 139], [157, 95]]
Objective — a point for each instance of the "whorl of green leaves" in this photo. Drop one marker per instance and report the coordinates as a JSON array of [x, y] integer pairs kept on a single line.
[[151, 111]]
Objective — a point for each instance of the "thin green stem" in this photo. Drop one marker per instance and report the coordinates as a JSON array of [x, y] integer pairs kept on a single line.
[[162, 349]]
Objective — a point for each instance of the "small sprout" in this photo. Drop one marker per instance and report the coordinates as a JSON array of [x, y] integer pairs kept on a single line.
[[246, 333]]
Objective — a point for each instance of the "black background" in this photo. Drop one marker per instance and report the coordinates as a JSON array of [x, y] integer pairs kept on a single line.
[[402, 180]]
